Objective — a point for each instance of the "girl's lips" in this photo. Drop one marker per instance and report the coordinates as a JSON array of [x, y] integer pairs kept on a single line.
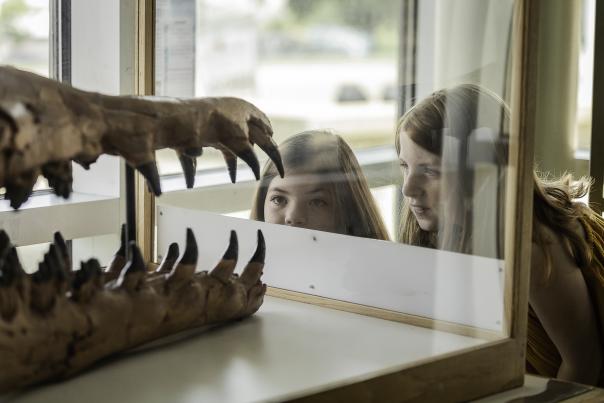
[[419, 210]]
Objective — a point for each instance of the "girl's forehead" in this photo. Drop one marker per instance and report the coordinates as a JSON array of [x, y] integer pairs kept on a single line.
[[293, 179], [411, 152]]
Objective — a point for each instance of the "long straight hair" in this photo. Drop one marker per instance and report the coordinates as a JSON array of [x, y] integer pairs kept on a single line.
[[329, 156], [464, 126]]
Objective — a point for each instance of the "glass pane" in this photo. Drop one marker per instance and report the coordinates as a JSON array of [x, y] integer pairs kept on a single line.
[[24, 43], [392, 123], [89, 219], [24, 27]]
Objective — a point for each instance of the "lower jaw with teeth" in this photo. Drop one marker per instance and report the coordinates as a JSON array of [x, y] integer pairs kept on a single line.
[[56, 322]]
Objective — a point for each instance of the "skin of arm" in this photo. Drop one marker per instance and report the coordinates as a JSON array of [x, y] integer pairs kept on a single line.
[[563, 306]]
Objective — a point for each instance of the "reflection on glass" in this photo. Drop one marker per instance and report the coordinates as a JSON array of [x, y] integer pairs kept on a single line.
[[306, 64], [452, 148], [323, 188]]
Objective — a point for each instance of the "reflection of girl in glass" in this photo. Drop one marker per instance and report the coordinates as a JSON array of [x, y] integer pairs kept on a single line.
[[323, 188], [465, 123], [445, 144]]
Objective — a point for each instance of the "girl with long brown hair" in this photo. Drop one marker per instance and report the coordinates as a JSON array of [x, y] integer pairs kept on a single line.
[[323, 189], [452, 148]]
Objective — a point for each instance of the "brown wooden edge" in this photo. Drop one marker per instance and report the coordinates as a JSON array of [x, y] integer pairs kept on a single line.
[[144, 85], [385, 314], [596, 154], [460, 376], [499, 365]]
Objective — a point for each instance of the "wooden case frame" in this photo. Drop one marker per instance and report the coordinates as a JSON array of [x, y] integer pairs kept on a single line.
[[466, 374]]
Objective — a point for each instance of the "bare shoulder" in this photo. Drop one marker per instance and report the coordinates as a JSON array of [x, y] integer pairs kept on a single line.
[[560, 261]]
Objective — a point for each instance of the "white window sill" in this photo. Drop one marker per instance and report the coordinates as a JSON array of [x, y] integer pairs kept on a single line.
[[82, 215]]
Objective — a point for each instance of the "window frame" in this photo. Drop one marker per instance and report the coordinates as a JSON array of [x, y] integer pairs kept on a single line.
[[596, 156], [96, 193]]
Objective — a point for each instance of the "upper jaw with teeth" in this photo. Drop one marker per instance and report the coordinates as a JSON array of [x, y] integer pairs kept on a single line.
[[44, 125]]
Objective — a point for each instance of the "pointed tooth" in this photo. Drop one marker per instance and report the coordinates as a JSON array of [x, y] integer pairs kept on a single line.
[[8, 293], [272, 151], [249, 157], [12, 273], [151, 174], [123, 241], [59, 176], [191, 253], [253, 271], [185, 268], [17, 195], [59, 241], [260, 253], [119, 259], [131, 277], [87, 280], [136, 263], [7, 276], [43, 275], [13, 263], [55, 262], [80, 277], [87, 162], [232, 251], [168, 262], [19, 187], [224, 269], [189, 169], [260, 133], [43, 289], [84, 164], [4, 244], [193, 151], [231, 162]]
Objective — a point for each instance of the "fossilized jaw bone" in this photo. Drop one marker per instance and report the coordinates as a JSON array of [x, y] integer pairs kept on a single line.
[[54, 322], [44, 125]]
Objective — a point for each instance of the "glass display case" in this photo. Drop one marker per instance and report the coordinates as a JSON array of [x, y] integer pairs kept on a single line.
[[398, 235], [463, 292]]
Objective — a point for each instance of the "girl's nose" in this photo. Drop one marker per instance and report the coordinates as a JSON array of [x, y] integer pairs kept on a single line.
[[412, 187], [295, 216]]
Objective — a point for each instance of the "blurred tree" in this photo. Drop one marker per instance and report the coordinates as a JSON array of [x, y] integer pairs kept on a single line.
[[10, 13], [361, 14]]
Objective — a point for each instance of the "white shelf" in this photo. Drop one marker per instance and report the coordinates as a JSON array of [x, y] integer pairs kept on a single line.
[[82, 215], [288, 349]]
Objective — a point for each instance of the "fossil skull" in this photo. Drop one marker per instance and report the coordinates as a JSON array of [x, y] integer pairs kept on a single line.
[[44, 125]]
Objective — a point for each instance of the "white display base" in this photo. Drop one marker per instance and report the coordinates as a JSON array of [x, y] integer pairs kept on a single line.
[[288, 349], [435, 284]]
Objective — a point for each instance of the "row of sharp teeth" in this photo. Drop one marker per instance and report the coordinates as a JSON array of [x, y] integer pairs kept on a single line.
[[59, 175], [54, 275]]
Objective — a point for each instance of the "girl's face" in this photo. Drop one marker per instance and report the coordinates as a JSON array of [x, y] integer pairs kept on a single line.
[[301, 200], [421, 187]]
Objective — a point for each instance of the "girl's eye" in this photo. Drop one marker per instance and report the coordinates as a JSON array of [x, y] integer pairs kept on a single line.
[[432, 172], [278, 200], [318, 203], [404, 166]]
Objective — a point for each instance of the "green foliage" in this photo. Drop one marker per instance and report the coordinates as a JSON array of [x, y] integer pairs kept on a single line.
[[365, 15], [377, 19], [10, 13]]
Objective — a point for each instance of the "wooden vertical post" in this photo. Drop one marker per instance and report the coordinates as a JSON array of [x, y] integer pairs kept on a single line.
[[144, 85]]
